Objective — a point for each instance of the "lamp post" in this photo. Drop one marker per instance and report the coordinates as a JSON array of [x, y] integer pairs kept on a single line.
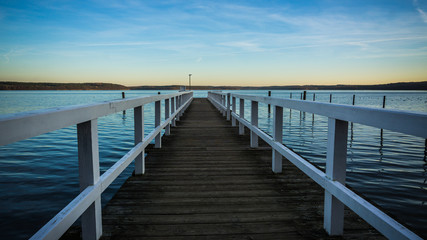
[[189, 81]]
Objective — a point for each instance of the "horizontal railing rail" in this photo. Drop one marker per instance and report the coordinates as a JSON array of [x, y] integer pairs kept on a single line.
[[333, 179], [87, 204]]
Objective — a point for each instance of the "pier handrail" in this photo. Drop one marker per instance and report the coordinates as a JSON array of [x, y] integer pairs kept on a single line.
[[87, 204], [333, 179]]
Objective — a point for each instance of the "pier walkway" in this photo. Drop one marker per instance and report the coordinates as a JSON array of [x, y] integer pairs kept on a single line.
[[207, 183]]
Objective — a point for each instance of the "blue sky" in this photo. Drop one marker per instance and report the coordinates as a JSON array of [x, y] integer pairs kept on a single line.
[[219, 42]]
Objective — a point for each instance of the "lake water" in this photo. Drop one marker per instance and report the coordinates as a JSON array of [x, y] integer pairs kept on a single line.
[[39, 176]]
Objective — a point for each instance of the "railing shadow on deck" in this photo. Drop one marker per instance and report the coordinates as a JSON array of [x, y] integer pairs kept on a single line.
[[333, 179], [87, 204]]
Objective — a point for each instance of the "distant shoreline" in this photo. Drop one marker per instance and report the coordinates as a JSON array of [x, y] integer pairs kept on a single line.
[[110, 86]]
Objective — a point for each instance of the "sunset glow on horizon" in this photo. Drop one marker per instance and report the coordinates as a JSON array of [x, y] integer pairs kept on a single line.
[[237, 43]]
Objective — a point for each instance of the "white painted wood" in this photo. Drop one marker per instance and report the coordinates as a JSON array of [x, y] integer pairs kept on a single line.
[[58, 225], [228, 107], [378, 219], [276, 164], [138, 113], [88, 155], [19, 126], [167, 113], [114, 171], [336, 158], [224, 104], [182, 104], [157, 117], [178, 105], [173, 108], [254, 122], [412, 123], [386, 225], [242, 115], [233, 120]]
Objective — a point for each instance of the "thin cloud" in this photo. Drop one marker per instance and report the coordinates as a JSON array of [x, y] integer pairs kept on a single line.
[[392, 55], [113, 44], [249, 46], [423, 15]]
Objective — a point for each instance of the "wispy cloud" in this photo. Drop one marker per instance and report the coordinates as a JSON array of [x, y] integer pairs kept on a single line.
[[115, 44], [421, 12], [248, 46], [7, 55]]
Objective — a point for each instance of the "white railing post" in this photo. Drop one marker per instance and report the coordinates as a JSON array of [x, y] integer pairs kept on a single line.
[[167, 114], [182, 104], [88, 154], [138, 114], [173, 107], [158, 141], [242, 115], [178, 106], [276, 164], [254, 122], [336, 157], [223, 103], [228, 106], [233, 119]]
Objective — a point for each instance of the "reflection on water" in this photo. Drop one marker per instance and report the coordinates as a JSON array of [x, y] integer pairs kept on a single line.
[[387, 167]]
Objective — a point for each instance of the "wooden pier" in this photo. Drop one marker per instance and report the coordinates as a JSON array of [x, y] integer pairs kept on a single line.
[[207, 183], [212, 178]]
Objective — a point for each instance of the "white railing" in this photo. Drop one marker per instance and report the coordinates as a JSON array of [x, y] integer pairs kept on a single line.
[[87, 204], [333, 180]]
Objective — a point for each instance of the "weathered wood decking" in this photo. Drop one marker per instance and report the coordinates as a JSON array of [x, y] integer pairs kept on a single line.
[[207, 183]]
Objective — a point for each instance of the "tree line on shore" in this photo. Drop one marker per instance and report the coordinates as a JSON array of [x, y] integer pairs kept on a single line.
[[111, 86]]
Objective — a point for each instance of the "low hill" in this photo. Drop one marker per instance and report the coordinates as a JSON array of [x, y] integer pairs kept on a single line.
[[60, 86], [110, 86]]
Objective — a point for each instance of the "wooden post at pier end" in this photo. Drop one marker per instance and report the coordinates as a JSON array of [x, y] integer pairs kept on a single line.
[[304, 96], [269, 110], [123, 97]]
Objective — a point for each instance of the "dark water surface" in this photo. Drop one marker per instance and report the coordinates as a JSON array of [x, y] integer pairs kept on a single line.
[[39, 176]]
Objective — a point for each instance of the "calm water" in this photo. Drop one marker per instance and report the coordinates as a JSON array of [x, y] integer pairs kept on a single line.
[[39, 176]]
